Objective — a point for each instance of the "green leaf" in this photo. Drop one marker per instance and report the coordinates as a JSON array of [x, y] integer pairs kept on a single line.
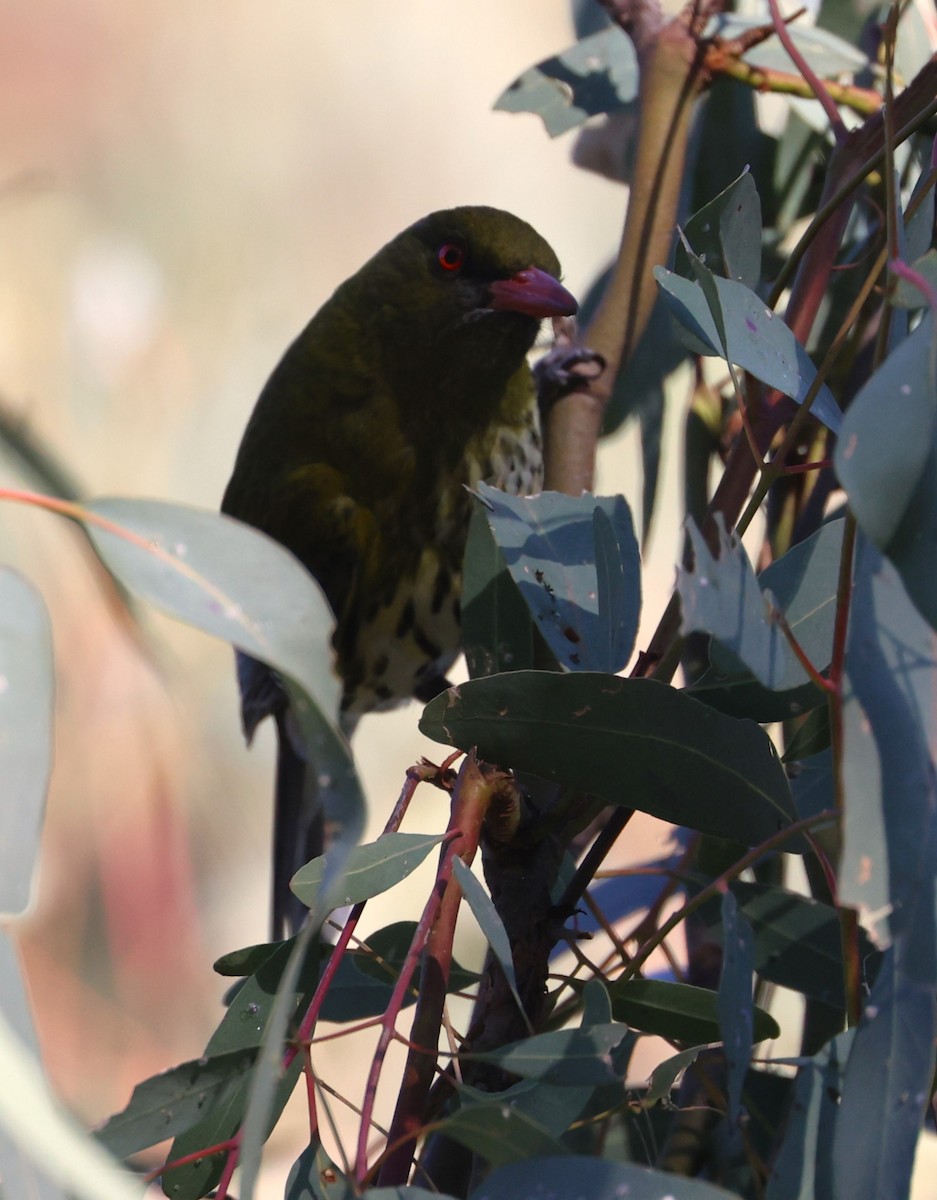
[[26, 695], [888, 437], [497, 629], [757, 340], [242, 1029], [573, 1177], [357, 995], [664, 1076], [887, 869], [237, 584], [678, 1011], [585, 596], [489, 922], [633, 742], [811, 738], [743, 696], [803, 584], [812, 783], [597, 75], [239, 963], [552, 1107], [797, 940], [367, 871], [498, 1133], [720, 595], [886, 1087], [734, 1001], [596, 1004], [802, 1169], [172, 1102], [726, 234], [566, 1057], [386, 951]]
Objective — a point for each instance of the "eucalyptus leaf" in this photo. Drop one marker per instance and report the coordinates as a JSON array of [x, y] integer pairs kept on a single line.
[[721, 598], [499, 1133], [26, 698], [734, 1002], [906, 293], [385, 950], [235, 583], [719, 595], [489, 921], [797, 941], [664, 1075], [633, 742], [726, 234], [886, 1087], [367, 870], [596, 75], [172, 1102], [888, 437], [553, 1107], [803, 1167], [567, 1057], [242, 1029], [497, 628], [756, 339], [678, 1011], [889, 855], [578, 572]]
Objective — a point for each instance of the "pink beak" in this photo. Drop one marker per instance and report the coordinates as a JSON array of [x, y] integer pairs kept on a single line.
[[532, 292]]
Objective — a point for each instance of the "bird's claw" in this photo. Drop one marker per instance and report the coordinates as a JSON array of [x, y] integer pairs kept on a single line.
[[564, 369]]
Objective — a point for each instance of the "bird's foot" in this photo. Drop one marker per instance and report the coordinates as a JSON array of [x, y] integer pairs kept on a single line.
[[564, 369]]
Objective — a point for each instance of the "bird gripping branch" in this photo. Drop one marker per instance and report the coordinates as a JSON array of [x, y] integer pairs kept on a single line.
[[408, 385]]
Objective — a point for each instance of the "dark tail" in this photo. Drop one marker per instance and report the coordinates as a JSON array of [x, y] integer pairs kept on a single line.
[[297, 828]]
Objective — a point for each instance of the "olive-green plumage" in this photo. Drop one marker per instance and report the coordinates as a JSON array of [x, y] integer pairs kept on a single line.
[[408, 384]]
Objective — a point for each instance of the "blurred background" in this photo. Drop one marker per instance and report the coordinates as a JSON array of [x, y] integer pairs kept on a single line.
[[181, 186]]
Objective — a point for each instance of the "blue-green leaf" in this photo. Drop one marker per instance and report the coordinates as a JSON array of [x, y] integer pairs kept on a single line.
[[735, 1007], [725, 234], [580, 574], [634, 742], [596, 75], [235, 583], [497, 627], [491, 924], [886, 1087], [26, 694], [889, 858], [567, 1057], [803, 1167], [888, 436], [756, 339], [367, 871]]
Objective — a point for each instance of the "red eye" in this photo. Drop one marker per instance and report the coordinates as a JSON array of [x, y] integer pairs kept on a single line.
[[451, 256]]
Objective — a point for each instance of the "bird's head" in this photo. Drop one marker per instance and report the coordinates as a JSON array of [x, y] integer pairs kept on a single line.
[[471, 262], [471, 276]]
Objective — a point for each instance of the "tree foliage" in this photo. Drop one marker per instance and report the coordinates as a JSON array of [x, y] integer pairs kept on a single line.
[[800, 290]]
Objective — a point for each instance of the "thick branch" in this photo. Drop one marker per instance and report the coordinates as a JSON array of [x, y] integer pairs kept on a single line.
[[672, 76]]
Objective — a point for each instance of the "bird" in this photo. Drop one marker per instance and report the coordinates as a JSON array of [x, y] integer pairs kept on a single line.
[[407, 387]]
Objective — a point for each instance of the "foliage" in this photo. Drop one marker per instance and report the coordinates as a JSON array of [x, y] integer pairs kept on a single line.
[[800, 291]]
